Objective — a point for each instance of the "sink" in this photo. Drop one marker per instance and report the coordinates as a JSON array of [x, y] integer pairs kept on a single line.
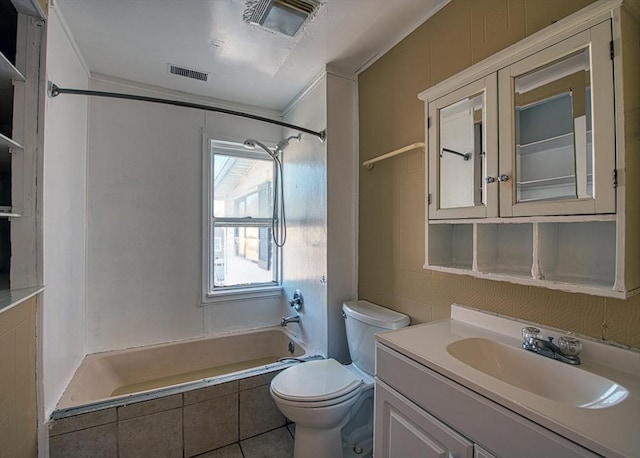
[[537, 374]]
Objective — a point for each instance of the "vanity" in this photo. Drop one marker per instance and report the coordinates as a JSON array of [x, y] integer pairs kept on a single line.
[[465, 387]]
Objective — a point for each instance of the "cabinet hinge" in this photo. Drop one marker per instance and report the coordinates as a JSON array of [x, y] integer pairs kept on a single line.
[[611, 49], [428, 122], [614, 178], [429, 199]]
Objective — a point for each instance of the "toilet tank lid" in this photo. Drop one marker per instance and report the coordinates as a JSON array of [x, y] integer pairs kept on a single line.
[[375, 315]]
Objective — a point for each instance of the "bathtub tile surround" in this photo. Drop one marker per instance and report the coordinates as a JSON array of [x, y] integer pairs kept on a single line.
[[157, 434], [210, 424], [258, 412], [84, 421], [187, 424], [95, 441], [210, 392], [140, 409]]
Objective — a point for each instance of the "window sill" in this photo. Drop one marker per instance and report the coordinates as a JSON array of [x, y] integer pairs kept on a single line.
[[241, 294]]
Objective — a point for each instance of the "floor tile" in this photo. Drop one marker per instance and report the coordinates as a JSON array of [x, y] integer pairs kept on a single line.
[[230, 451], [274, 444]]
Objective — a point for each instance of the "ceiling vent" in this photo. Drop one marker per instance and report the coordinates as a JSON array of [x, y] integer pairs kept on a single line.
[[188, 73], [283, 16]]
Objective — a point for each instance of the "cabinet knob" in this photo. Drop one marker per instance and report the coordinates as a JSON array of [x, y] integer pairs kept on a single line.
[[490, 179], [503, 178]]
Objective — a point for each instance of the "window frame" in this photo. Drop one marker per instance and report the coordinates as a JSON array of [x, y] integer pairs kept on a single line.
[[210, 293]]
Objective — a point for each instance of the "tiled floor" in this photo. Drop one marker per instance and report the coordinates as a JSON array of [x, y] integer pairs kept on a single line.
[[273, 444]]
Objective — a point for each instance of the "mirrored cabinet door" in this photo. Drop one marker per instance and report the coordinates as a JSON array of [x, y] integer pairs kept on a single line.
[[557, 153], [463, 143]]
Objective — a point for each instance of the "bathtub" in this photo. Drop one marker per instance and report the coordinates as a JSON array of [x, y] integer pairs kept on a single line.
[[122, 377]]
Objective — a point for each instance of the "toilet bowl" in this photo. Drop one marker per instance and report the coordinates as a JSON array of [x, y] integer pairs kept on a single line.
[[330, 403]]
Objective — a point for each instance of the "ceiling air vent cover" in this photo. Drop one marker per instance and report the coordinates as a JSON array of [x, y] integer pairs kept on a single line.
[[283, 16], [188, 73]]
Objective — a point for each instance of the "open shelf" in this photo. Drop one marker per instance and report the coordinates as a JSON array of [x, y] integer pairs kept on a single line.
[[6, 142], [8, 72], [578, 253], [451, 245], [505, 249]]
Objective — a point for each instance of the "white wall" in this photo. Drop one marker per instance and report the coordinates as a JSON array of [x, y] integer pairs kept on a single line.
[[64, 217], [144, 187], [305, 185], [320, 186], [342, 211]]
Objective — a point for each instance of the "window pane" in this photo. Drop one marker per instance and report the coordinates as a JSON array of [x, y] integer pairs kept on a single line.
[[242, 186], [245, 256]]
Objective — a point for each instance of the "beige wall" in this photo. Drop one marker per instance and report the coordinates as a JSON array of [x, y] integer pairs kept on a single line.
[[18, 418], [392, 210]]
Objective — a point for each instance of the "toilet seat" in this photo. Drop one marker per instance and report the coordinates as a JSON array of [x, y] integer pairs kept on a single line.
[[316, 384]]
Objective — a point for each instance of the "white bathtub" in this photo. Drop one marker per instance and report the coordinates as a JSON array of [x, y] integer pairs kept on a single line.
[[124, 376]]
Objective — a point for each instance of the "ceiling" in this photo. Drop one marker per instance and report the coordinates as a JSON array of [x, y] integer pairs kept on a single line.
[[137, 40]]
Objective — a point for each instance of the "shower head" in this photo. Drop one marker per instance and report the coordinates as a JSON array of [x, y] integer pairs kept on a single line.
[[251, 144], [282, 144]]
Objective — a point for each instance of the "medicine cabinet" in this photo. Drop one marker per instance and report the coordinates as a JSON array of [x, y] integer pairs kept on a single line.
[[523, 154], [556, 110], [463, 121], [551, 103]]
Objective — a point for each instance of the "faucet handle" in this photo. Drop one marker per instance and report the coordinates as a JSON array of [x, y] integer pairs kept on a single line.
[[298, 300], [529, 332], [569, 346]]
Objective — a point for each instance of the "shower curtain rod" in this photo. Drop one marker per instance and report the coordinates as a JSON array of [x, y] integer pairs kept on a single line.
[[53, 91]]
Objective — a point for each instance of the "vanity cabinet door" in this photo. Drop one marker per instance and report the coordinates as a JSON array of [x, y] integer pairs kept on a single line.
[[557, 137], [405, 430], [463, 147]]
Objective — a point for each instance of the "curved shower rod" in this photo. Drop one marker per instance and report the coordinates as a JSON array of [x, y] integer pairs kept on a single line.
[[54, 90]]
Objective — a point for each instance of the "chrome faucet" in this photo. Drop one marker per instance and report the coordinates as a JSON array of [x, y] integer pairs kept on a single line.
[[550, 350], [289, 319]]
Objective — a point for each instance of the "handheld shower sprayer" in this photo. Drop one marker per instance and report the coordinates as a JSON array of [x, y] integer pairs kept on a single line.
[[278, 225], [251, 144]]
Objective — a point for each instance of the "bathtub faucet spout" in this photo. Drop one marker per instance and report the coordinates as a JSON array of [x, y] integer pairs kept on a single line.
[[289, 319]]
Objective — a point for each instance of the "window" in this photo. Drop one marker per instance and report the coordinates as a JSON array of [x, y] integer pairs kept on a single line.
[[240, 256]]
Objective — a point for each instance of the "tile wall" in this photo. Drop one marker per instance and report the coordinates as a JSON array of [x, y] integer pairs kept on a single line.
[[186, 424]]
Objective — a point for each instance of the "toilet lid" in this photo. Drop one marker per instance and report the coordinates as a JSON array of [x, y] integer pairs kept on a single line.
[[315, 381]]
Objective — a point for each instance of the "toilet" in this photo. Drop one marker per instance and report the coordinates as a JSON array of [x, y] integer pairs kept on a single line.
[[330, 403]]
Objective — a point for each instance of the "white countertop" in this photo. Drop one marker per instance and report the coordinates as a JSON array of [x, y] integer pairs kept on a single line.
[[610, 431], [9, 298]]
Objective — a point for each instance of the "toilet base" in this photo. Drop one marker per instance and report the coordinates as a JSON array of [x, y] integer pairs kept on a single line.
[[314, 442]]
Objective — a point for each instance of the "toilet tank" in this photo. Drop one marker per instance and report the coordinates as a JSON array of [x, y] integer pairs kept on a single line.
[[362, 321]]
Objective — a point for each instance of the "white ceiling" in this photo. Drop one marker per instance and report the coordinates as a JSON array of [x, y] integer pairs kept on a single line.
[[137, 39]]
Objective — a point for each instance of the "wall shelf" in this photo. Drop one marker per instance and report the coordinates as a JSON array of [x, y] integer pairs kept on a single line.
[[556, 253]]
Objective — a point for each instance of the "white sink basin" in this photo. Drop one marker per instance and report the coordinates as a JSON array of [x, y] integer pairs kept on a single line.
[[537, 374]]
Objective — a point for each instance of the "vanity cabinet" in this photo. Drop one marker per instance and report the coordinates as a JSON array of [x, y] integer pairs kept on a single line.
[[526, 161], [419, 412]]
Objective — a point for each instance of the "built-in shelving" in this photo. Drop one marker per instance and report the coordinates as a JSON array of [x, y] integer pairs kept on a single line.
[[6, 142], [30, 8], [8, 72], [566, 252]]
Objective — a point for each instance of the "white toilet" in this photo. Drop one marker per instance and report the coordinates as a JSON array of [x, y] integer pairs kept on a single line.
[[332, 404]]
